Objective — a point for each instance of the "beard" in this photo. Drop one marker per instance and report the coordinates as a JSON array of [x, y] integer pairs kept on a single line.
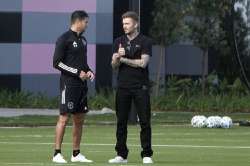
[[130, 32]]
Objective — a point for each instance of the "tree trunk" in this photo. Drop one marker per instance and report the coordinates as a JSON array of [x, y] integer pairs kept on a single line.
[[162, 52], [204, 70]]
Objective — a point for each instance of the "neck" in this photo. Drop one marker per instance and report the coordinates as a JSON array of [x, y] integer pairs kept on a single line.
[[132, 35], [74, 29]]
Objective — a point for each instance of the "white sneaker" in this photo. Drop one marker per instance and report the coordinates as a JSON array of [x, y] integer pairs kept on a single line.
[[59, 159], [147, 160], [117, 160], [80, 158]]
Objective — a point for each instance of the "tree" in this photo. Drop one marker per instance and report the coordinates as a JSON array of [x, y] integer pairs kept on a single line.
[[167, 28], [226, 63], [231, 63], [241, 29], [205, 29]]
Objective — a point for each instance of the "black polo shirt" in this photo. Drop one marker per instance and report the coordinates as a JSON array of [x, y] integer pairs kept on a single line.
[[131, 77], [70, 57]]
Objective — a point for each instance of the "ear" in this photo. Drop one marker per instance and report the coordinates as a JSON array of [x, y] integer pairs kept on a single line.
[[136, 25]]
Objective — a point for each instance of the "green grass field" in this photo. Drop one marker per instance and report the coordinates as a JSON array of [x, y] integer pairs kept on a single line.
[[176, 145]]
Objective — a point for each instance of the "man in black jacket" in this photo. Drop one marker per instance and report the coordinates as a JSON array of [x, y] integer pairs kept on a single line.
[[131, 54], [70, 58]]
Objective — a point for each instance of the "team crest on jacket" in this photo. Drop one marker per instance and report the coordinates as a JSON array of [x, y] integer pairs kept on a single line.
[[74, 44]]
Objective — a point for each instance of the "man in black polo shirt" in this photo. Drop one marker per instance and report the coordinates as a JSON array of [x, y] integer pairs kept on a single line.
[[131, 54], [70, 58]]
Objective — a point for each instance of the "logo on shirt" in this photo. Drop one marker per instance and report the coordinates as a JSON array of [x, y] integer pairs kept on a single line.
[[74, 44], [137, 46]]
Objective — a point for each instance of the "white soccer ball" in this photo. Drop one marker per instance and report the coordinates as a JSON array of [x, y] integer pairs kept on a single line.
[[198, 121], [217, 120], [226, 122], [210, 122], [213, 122]]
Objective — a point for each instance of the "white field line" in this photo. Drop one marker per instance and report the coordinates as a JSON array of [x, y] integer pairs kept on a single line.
[[36, 163], [129, 138], [45, 135], [52, 164], [134, 145]]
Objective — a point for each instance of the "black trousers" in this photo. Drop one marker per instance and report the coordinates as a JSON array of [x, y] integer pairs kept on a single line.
[[141, 99]]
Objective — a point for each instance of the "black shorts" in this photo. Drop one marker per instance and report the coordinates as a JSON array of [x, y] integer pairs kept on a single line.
[[73, 99]]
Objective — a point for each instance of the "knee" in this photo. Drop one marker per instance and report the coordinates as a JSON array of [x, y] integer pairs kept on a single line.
[[78, 122], [62, 121], [144, 120], [78, 119], [122, 123], [122, 126], [145, 125]]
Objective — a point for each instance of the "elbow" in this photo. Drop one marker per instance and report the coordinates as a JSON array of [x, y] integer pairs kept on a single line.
[[143, 64], [55, 64]]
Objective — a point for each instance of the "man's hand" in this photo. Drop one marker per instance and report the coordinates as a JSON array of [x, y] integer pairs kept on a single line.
[[115, 60], [116, 57], [121, 50], [83, 76], [91, 75]]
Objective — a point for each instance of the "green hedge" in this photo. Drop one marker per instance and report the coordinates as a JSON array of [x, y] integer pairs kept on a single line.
[[179, 95]]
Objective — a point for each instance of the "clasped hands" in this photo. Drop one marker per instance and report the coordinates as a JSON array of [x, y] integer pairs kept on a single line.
[[85, 76]]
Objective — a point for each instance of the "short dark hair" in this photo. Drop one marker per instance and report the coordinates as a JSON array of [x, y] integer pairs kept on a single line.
[[131, 14], [78, 14]]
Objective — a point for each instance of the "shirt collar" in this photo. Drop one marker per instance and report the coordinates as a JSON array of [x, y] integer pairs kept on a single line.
[[75, 33], [133, 38]]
